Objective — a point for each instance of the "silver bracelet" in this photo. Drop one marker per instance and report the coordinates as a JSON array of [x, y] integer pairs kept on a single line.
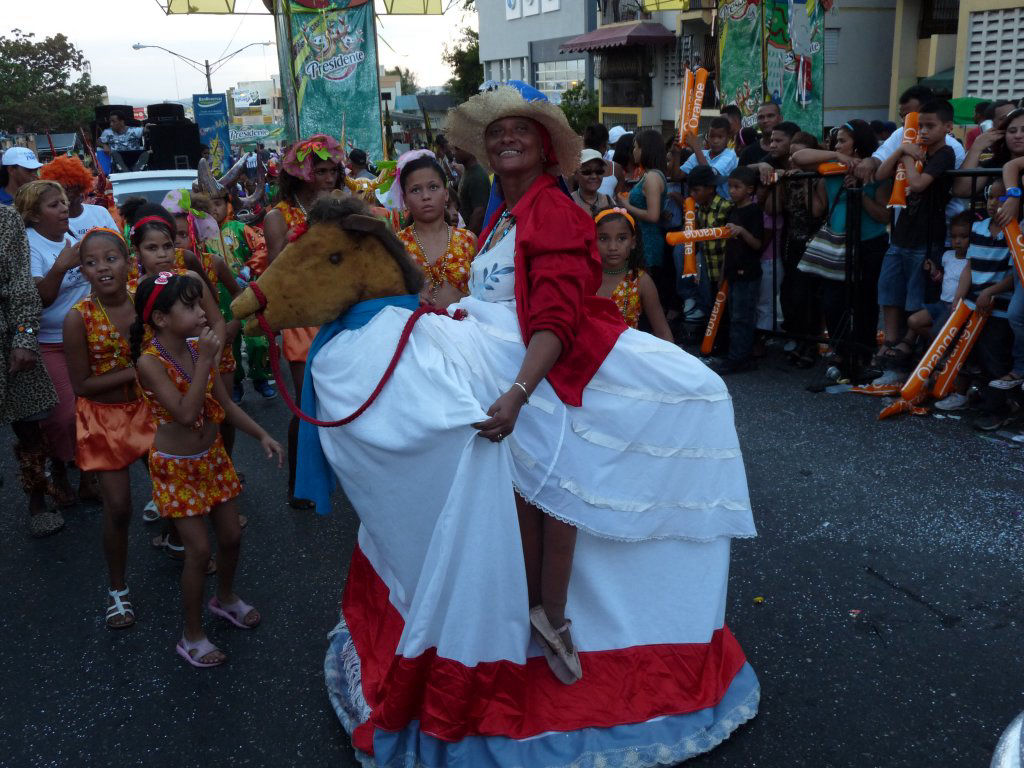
[[522, 387]]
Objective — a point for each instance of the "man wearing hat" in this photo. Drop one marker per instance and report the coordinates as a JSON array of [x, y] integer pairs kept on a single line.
[[20, 166], [359, 164]]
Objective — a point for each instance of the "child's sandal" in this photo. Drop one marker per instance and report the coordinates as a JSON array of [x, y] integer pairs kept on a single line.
[[194, 653], [236, 612], [121, 609]]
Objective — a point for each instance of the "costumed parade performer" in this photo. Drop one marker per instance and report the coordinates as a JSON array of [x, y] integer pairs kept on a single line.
[[606, 488], [310, 169]]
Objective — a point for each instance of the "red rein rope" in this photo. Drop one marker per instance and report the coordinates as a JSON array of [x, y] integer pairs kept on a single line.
[[275, 360]]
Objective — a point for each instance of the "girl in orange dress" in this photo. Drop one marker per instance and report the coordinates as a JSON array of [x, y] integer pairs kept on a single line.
[[443, 251], [192, 475], [113, 425], [310, 168], [625, 281]]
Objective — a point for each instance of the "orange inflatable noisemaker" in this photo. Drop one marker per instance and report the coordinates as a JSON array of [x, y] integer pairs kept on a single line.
[[1015, 240], [944, 339], [697, 235], [898, 198], [689, 248], [832, 169], [715, 320], [947, 376]]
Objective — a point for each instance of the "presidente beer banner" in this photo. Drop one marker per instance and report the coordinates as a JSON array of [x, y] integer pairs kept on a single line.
[[211, 113], [774, 50], [252, 134], [332, 57]]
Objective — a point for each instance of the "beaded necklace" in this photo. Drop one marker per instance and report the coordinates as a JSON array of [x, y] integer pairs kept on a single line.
[[506, 219], [166, 356], [114, 338], [434, 272]]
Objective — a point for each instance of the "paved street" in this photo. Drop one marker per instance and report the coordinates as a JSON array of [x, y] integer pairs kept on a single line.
[[913, 525]]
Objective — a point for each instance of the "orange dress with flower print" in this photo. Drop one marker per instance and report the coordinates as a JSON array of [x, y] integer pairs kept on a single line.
[[109, 436], [295, 342], [187, 486], [456, 264], [627, 298]]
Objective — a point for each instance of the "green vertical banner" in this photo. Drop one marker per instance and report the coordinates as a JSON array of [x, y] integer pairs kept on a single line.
[[740, 56], [795, 60], [334, 65]]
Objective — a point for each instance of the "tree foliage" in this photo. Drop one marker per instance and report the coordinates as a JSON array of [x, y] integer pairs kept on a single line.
[[45, 85], [579, 104], [409, 83], [464, 60]]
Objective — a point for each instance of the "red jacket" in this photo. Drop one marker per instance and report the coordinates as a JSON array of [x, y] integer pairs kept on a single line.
[[558, 273]]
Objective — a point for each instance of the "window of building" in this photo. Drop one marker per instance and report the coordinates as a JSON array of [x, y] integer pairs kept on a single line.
[[995, 54], [554, 77], [832, 45]]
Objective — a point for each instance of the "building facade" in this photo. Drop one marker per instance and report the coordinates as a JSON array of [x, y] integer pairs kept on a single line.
[[256, 113], [521, 39]]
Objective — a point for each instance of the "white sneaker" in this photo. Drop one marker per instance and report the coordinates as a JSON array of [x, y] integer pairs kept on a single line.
[[790, 346], [888, 378], [1004, 384], [953, 402], [150, 513]]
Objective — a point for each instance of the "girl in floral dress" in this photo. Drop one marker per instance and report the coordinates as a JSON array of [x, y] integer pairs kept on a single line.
[[113, 425], [444, 252], [192, 475], [624, 281]]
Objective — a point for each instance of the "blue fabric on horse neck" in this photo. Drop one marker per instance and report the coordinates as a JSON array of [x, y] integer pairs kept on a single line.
[[314, 477]]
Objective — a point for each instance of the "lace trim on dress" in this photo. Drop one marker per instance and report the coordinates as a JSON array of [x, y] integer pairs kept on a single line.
[[657, 397]]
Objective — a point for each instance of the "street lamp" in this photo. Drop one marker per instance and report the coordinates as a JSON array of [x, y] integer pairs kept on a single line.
[[205, 67]]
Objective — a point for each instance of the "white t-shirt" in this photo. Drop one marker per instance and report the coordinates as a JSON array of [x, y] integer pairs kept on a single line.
[[92, 216], [952, 267], [73, 289]]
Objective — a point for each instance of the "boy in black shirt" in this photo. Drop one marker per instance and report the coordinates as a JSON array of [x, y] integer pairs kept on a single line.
[[920, 229], [745, 222]]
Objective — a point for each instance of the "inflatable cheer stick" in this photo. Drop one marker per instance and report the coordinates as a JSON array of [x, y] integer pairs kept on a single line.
[[944, 339], [684, 105], [689, 249], [1015, 240], [832, 169], [715, 320], [700, 79], [898, 198], [903, 406], [876, 390], [697, 235], [945, 378]]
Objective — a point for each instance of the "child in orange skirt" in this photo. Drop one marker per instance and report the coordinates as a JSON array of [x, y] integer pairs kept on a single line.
[[113, 425], [192, 475]]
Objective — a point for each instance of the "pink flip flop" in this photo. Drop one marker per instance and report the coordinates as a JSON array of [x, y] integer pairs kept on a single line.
[[193, 652], [235, 612]]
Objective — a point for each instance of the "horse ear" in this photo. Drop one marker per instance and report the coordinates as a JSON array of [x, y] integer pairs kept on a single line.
[[369, 225]]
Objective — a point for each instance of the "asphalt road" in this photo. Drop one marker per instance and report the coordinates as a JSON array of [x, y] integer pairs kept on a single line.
[[889, 563]]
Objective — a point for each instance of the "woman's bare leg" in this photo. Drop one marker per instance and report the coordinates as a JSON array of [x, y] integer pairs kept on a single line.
[[531, 530]]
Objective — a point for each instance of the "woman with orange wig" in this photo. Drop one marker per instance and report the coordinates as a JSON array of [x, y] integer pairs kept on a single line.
[[77, 181]]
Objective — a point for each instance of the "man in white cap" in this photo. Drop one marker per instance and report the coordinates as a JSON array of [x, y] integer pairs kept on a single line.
[[615, 133], [20, 166]]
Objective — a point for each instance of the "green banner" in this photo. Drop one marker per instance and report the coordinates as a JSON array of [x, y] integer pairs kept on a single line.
[[774, 51], [795, 60], [739, 56], [252, 134], [334, 67]]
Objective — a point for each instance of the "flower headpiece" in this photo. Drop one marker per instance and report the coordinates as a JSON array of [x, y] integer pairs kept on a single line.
[[300, 157], [618, 212], [158, 285]]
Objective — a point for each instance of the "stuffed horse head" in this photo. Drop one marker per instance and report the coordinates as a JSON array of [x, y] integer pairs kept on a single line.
[[344, 257]]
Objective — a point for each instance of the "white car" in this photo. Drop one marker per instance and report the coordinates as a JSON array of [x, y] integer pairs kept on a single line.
[[152, 185]]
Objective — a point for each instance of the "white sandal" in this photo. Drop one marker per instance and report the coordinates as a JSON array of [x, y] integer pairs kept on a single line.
[[150, 514], [568, 661], [122, 607]]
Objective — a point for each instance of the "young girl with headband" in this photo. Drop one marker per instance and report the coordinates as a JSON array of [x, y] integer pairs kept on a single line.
[[443, 252], [625, 282], [192, 475], [113, 425]]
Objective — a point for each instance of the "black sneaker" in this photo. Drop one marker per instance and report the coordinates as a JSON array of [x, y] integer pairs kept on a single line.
[[727, 367], [990, 422]]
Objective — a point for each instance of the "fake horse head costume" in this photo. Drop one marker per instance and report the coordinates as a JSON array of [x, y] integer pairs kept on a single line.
[[432, 662]]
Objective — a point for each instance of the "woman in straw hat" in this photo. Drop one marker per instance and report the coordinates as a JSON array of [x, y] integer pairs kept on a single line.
[[608, 487]]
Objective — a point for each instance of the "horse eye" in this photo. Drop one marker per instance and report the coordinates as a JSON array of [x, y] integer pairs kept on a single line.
[[335, 258]]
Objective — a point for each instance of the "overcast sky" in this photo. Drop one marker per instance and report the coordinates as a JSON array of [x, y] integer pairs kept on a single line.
[[105, 32]]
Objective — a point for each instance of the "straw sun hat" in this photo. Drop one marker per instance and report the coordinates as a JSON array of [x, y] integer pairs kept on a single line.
[[466, 122]]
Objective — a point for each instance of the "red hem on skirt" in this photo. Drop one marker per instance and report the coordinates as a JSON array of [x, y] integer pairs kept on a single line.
[[452, 701]]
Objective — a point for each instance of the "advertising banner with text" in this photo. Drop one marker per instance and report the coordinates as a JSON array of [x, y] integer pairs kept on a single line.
[[211, 113]]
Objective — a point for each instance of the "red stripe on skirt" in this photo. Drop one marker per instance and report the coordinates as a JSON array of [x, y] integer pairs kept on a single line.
[[452, 701]]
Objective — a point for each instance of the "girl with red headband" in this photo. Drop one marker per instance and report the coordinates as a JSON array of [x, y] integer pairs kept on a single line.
[[192, 475], [113, 425], [624, 280]]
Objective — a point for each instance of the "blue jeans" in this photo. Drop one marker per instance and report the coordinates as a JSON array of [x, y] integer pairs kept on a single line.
[[901, 283], [1015, 314], [742, 318], [700, 289]]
